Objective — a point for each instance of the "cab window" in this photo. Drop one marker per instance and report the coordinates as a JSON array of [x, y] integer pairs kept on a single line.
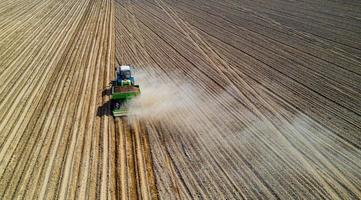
[[125, 74]]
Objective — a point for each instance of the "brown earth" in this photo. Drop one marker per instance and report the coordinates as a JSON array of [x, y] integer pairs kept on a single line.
[[240, 99], [58, 139]]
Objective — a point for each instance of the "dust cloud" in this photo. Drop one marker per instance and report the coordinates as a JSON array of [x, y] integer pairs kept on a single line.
[[179, 105], [168, 99]]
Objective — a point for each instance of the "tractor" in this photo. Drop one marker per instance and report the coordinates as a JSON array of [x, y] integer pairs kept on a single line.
[[123, 90]]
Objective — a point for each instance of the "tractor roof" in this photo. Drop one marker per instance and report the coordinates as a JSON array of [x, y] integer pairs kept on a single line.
[[124, 68]]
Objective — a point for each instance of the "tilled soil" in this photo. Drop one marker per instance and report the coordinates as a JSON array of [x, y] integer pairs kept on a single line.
[[58, 139], [267, 102], [240, 99]]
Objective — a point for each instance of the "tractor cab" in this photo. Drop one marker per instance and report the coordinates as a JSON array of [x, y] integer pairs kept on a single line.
[[124, 76]]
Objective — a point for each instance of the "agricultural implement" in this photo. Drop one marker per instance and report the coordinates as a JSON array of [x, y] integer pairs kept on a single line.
[[123, 90]]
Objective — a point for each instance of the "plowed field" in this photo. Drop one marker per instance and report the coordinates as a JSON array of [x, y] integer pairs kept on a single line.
[[239, 99]]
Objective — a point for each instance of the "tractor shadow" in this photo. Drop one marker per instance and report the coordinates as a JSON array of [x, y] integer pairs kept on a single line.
[[107, 91], [106, 108]]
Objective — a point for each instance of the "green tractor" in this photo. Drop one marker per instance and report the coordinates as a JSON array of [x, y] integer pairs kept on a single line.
[[123, 90]]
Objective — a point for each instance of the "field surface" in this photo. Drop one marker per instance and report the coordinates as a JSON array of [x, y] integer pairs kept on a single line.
[[240, 99]]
